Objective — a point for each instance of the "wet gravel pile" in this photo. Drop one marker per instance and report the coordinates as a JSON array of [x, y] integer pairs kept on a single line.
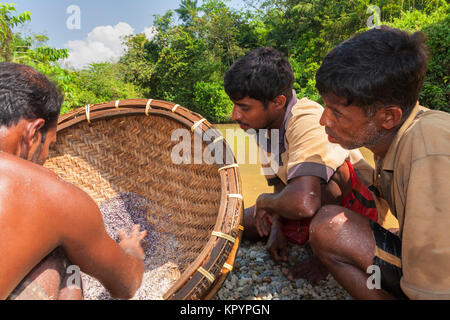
[[161, 249], [257, 277]]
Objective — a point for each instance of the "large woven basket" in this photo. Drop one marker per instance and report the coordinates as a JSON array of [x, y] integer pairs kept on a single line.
[[125, 146]]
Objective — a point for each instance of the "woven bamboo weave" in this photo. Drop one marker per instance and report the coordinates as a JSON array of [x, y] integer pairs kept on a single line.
[[126, 146]]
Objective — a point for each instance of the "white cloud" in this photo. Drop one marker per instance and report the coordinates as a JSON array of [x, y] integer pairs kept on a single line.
[[150, 32], [103, 44]]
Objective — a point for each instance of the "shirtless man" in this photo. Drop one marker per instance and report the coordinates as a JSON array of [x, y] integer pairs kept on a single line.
[[309, 171], [370, 85], [43, 218]]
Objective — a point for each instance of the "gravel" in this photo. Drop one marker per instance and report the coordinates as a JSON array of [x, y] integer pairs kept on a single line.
[[161, 249], [257, 277]]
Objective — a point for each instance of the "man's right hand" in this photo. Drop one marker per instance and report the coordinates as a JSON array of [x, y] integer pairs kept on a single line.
[[131, 243]]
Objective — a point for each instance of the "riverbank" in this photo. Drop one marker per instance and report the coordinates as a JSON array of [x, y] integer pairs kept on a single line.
[[257, 277]]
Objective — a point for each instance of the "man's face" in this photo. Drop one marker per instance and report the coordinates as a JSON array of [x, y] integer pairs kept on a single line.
[[250, 113], [348, 125], [40, 152]]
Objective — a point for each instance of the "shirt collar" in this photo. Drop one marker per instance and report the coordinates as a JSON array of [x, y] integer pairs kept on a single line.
[[388, 161], [287, 115]]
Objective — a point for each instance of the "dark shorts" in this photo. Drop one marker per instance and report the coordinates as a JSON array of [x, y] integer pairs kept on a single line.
[[388, 252]]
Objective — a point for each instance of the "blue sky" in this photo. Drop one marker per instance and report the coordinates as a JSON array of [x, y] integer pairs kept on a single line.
[[102, 23]]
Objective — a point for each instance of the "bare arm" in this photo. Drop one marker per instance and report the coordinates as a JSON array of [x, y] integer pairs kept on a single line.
[[300, 199], [39, 212], [119, 267]]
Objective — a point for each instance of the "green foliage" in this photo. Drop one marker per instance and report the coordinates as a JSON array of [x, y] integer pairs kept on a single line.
[[307, 30], [305, 80], [8, 20], [180, 65], [104, 82], [185, 61], [436, 26], [214, 103], [139, 59], [188, 11], [219, 27]]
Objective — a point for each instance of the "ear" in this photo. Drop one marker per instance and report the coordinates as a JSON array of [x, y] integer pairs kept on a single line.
[[391, 117], [280, 101], [33, 133]]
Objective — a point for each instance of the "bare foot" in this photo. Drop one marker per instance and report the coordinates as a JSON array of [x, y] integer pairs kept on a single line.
[[310, 269]]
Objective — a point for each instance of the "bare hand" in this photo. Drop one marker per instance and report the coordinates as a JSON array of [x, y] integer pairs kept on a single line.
[[262, 226], [131, 243], [277, 243], [261, 215]]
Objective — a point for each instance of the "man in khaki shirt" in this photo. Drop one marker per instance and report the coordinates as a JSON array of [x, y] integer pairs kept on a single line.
[[306, 170], [370, 85]]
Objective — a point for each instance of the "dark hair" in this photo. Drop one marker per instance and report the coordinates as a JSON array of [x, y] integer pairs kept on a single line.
[[262, 74], [27, 94], [376, 68]]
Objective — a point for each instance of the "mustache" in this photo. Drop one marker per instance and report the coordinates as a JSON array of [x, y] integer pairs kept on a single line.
[[330, 132], [243, 123]]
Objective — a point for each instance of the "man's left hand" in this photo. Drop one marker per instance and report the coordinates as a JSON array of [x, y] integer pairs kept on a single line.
[[261, 215]]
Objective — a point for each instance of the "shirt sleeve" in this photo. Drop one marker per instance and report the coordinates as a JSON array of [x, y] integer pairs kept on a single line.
[[363, 169], [309, 151], [425, 232]]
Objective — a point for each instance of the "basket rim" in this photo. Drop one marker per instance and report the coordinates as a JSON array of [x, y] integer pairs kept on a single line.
[[199, 273]]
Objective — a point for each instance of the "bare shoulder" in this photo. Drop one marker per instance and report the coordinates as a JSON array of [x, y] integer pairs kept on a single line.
[[27, 183], [38, 212]]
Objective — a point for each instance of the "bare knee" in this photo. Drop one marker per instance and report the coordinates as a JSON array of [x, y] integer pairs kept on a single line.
[[325, 227], [328, 217]]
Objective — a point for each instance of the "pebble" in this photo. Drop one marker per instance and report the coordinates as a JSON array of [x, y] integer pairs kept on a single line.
[[258, 277]]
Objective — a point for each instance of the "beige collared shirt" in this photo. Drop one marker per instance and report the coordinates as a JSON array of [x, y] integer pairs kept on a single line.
[[414, 178]]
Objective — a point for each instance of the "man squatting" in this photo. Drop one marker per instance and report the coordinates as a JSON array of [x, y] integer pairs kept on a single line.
[[309, 172], [370, 85], [48, 224]]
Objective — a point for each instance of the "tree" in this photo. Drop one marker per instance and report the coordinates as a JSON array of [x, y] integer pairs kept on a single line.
[[219, 28], [102, 82], [9, 20], [185, 63], [187, 11], [436, 26]]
